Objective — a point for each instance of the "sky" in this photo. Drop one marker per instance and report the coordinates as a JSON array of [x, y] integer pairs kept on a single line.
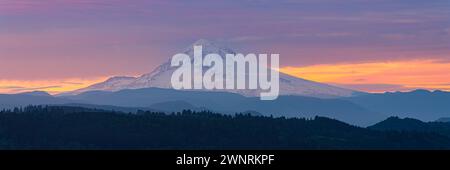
[[367, 45]]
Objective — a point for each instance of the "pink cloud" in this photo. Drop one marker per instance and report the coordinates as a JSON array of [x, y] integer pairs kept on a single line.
[[34, 6]]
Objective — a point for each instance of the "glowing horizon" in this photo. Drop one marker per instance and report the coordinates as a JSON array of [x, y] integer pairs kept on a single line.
[[49, 86], [396, 75], [387, 76], [47, 42]]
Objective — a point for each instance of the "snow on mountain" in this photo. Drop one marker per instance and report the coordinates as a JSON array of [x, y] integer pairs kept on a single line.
[[161, 78], [112, 84]]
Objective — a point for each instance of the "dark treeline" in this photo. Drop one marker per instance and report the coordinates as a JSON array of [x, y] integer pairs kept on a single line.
[[60, 127], [412, 125]]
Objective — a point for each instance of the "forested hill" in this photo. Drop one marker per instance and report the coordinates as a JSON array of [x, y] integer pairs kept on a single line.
[[412, 125], [58, 127]]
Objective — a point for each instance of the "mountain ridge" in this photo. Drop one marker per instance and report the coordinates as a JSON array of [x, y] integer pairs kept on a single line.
[[230, 103]]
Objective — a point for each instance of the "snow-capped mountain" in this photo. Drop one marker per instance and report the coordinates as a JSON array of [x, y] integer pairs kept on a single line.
[[161, 78]]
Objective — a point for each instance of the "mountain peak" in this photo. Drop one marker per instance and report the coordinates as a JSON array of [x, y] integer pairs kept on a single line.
[[203, 42], [208, 47]]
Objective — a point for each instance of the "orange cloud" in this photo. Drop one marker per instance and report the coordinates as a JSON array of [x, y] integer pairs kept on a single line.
[[51, 86], [403, 75]]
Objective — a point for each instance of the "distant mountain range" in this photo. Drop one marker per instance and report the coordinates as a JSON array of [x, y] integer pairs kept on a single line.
[[9, 101], [420, 104], [230, 103], [361, 110], [157, 99]]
